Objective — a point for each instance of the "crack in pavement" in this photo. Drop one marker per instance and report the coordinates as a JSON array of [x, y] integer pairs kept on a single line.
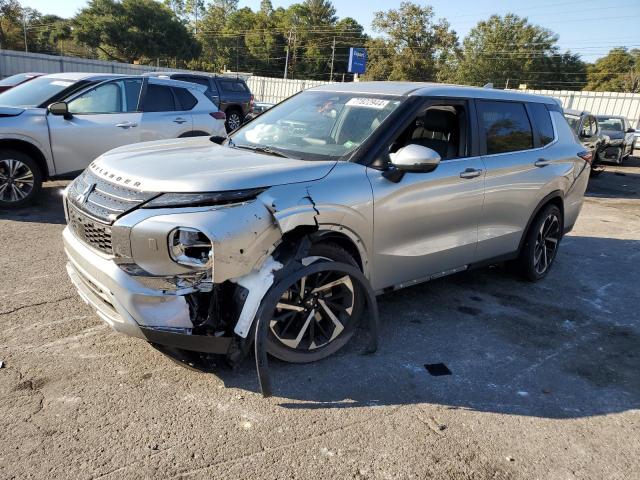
[[17, 309], [285, 445]]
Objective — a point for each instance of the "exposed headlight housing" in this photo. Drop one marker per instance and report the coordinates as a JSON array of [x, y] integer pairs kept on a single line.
[[174, 200], [190, 247]]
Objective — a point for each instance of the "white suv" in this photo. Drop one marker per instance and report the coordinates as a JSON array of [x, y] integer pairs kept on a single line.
[[57, 124]]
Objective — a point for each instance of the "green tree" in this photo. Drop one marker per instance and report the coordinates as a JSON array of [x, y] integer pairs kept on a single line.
[[11, 33], [510, 50], [618, 71], [415, 46], [134, 30]]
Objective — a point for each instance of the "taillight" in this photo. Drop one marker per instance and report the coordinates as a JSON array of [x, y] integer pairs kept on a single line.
[[218, 115], [586, 155]]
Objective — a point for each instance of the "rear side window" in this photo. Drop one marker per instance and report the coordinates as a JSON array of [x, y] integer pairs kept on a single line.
[[542, 120], [158, 99], [506, 126], [233, 86], [185, 99]]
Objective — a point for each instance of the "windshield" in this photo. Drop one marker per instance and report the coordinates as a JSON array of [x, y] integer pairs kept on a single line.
[[317, 125], [35, 92], [611, 124], [574, 121]]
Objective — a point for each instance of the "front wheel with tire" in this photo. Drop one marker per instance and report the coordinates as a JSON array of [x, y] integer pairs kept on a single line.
[[20, 179], [234, 119], [541, 244], [318, 313]]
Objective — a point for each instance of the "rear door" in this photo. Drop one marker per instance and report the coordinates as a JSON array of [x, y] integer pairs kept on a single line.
[[163, 116], [102, 118], [519, 164]]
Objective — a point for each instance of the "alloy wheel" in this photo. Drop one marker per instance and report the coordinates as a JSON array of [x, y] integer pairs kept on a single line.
[[314, 311], [546, 245], [16, 180], [233, 121]]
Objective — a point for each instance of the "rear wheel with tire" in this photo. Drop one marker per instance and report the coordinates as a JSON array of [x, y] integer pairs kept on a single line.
[[541, 244], [234, 119], [318, 314], [20, 179]]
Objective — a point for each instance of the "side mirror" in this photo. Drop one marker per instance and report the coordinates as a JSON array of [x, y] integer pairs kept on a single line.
[[416, 158], [59, 108], [217, 139], [631, 130]]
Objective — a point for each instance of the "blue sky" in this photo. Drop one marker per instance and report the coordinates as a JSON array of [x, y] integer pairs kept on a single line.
[[587, 27]]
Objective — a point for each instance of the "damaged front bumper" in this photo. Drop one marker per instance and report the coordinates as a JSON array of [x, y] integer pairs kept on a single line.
[[131, 308]]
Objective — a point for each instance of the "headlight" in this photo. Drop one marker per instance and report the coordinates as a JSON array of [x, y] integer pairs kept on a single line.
[[190, 247], [172, 200]]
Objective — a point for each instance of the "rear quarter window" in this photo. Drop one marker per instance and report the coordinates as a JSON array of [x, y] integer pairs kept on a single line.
[[185, 98], [542, 121], [505, 126]]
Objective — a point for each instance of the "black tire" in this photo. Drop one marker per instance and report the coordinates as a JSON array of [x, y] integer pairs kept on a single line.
[[528, 265], [306, 354], [234, 120], [20, 179]]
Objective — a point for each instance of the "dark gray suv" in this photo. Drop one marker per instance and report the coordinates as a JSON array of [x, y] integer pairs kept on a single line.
[[230, 94]]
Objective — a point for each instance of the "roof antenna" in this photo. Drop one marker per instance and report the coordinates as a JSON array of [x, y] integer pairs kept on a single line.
[[488, 85]]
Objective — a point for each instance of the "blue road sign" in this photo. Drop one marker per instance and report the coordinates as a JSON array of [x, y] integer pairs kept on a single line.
[[357, 60]]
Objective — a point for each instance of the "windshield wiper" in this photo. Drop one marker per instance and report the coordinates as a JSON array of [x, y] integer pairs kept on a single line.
[[267, 150]]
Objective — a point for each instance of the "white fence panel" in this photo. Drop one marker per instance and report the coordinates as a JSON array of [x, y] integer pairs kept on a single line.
[[598, 103]]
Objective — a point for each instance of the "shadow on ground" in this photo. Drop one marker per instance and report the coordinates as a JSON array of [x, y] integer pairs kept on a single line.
[[617, 181], [47, 208], [564, 348]]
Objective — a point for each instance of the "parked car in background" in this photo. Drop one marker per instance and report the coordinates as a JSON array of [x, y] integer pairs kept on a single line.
[[230, 94], [620, 133], [15, 80], [57, 124], [636, 137], [258, 109], [406, 182], [589, 133]]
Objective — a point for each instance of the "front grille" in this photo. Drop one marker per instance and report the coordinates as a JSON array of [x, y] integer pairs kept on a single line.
[[90, 231], [102, 200]]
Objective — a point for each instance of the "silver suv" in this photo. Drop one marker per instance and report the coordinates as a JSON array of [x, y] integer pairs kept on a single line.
[[57, 124], [182, 245]]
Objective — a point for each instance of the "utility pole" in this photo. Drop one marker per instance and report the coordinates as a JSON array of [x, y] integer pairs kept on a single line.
[[286, 62], [333, 55], [24, 29], [237, 53]]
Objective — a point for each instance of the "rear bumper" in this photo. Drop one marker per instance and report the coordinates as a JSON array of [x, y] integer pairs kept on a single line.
[[130, 308]]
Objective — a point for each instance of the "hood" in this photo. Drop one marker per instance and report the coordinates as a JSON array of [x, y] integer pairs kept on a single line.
[[613, 134], [199, 165], [10, 111]]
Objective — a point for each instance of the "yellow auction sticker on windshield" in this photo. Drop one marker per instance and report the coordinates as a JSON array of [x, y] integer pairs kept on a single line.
[[376, 103]]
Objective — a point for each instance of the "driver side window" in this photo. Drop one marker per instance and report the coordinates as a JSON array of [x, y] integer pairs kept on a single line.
[[441, 127], [114, 97]]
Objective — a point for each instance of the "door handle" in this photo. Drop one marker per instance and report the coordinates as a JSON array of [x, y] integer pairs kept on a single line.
[[542, 162], [471, 173], [126, 124], [179, 120]]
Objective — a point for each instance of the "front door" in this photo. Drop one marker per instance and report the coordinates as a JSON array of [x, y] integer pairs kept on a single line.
[[102, 118], [426, 224]]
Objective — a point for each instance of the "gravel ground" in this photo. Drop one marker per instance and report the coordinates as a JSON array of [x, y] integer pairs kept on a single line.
[[544, 379]]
